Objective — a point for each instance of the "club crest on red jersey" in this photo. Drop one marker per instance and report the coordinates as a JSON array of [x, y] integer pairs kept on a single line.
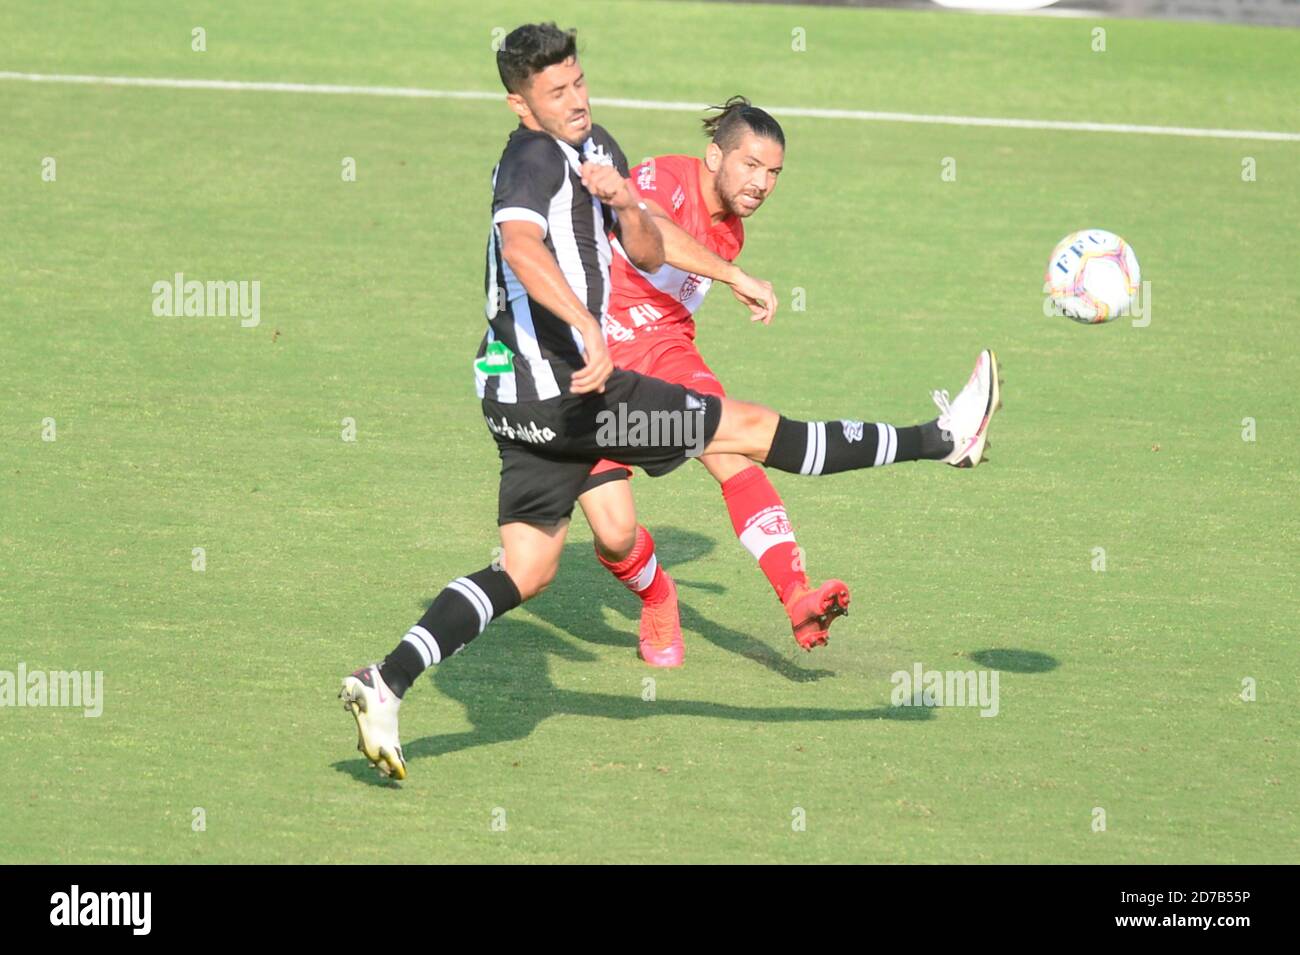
[[689, 288]]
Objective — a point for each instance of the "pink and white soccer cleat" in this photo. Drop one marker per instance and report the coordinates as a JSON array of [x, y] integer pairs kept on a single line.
[[966, 419]]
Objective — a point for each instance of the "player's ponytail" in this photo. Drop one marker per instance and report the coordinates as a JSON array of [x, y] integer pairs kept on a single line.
[[734, 118]]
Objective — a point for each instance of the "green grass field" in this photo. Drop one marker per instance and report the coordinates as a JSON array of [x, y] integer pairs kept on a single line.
[[1119, 689]]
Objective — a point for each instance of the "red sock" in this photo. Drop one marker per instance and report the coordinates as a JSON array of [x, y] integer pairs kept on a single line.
[[759, 520], [640, 570]]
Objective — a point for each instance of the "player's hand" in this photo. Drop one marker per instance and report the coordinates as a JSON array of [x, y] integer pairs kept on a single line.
[[607, 184], [592, 376], [756, 295]]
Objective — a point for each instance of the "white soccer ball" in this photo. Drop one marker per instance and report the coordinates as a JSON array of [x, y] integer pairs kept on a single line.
[[1092, 277]]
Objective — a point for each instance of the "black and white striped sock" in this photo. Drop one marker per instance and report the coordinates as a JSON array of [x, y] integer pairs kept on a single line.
[[828, 447], [459, 614]]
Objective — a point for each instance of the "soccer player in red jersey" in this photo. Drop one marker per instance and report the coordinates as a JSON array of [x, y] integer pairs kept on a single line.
[[547, 387], [699, 205]]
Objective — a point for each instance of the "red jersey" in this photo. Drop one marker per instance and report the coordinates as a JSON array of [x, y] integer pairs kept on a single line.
[[644, 306]]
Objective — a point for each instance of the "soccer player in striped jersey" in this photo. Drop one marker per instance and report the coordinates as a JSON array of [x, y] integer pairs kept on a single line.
[[700, 206], [549, 390]]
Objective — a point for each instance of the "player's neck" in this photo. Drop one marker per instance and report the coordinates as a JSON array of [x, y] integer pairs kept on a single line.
[[709, 190]]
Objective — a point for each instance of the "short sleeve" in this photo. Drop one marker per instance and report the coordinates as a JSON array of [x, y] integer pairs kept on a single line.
[[658, 181], [530, 174]]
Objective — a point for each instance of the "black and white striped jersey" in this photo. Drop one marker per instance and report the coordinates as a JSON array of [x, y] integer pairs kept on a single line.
[[537, 180]]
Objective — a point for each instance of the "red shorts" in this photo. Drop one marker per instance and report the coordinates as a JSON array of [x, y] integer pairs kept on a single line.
[[674, 359]]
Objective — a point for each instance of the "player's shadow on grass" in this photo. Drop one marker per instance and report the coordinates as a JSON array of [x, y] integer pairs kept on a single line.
[[584, 589], [1015, 661], [507, 692], [503, 679]]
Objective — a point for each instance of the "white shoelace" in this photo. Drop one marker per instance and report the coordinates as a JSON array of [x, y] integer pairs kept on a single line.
[[942, 402]]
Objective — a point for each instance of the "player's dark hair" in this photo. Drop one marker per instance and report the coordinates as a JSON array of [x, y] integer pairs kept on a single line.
[[531, 48], [734, 117]]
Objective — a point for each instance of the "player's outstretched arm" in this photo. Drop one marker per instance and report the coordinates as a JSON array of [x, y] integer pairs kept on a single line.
[[683, 251], [524, 251]]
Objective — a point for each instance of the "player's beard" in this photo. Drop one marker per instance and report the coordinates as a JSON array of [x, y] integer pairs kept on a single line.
[[730, 197], [563, 130]]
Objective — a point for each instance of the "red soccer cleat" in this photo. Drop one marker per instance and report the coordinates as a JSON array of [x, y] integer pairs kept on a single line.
[[812, 609], [661, 630]]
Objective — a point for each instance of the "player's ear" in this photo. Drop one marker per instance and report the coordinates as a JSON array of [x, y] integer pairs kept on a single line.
[[519, 105], [713, 157]]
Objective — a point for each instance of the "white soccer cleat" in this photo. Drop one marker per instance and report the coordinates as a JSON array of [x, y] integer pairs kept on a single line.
[[367, 697], [966, 419]]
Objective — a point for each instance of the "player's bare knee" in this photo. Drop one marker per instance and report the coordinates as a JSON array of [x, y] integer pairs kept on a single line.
[[615, 541], [759, 419], [611, 515], [725, 466], [533, 579], [530, 573], [614, 527], [745, 428], [541, 582]]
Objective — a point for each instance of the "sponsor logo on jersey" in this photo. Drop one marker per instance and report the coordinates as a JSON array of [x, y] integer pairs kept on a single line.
[[615, 331], [497, 359], [678, 198], [644, 314], [595, 153], [528, 433]]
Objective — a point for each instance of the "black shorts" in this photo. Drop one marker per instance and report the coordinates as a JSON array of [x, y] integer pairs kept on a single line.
[[548, 447]]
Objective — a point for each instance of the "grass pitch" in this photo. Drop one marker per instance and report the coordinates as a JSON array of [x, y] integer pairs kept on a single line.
[[1120, 689]]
